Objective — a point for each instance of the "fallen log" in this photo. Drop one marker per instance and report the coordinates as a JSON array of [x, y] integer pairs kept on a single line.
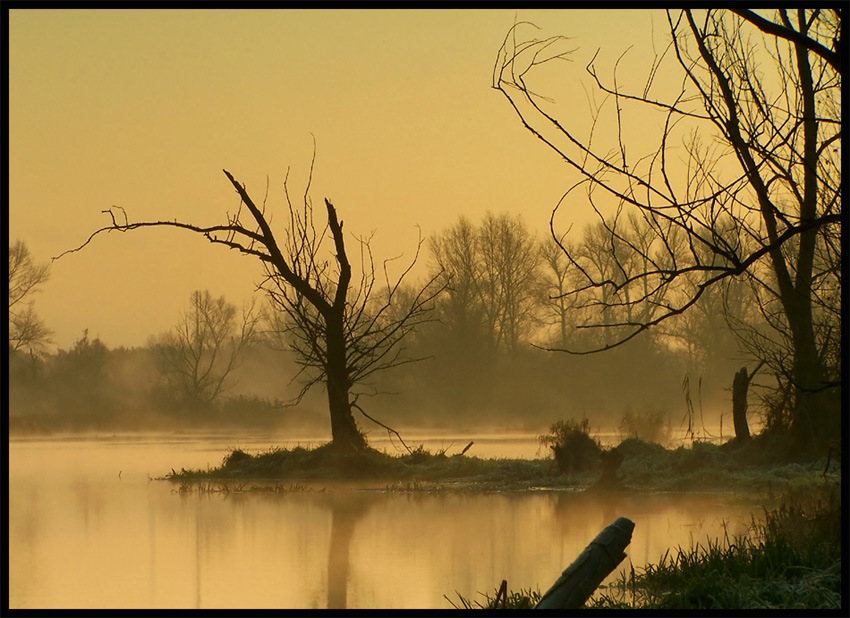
[[579, 580]]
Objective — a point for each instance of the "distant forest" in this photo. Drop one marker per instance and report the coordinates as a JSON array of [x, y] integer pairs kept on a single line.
[[488, 357]]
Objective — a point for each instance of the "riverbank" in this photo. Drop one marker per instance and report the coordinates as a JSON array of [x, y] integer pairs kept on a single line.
[[790, 560]]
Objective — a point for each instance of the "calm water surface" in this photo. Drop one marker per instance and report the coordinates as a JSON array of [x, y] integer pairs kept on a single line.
[[89, 529]]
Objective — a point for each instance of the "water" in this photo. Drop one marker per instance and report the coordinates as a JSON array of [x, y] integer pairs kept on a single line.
[[89, 529]]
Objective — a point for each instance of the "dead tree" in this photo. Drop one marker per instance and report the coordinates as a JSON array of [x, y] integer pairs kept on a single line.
[[754, 190], [341, 332], [740, 388]]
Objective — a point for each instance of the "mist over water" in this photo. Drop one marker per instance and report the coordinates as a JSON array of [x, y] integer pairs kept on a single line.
[[89, 529]]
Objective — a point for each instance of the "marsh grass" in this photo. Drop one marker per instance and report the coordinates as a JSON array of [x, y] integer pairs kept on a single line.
[[752, 467], [418, 470], [790, 560], [573, 448], [207, 488], [501, 599]]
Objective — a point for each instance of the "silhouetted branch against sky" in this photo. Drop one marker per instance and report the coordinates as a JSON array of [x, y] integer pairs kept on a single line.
[[690, 198]]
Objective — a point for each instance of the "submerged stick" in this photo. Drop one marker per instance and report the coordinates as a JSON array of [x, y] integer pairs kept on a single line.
[[579, 580]]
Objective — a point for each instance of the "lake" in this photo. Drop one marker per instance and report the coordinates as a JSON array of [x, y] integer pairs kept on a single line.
[[89, 528]]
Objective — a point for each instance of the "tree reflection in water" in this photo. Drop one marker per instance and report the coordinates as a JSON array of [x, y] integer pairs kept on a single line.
[[347, 508]]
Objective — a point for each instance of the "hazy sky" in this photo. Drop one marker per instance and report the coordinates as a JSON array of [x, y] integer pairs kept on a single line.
[[143, 109]]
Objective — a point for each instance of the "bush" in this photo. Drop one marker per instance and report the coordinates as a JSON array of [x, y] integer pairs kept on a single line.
[[573, 448], [235, 458], [649, 426]]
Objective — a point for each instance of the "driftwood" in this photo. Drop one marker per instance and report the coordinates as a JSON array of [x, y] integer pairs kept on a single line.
[[578, 581]]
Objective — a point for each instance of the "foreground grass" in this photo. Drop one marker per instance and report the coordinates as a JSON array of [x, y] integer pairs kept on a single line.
[[790, 560]]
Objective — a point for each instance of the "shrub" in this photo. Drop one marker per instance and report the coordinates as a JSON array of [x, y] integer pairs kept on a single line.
[[573, 448], [235, 458], [649, 426]]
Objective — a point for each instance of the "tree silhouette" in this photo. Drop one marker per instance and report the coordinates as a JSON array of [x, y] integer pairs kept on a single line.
[[757, 120], [341, 333], [26, 329], [205, 346]]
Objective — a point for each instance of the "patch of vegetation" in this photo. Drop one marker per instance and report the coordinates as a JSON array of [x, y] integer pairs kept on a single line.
[[578, 462], [573, 448], [206, 488], [419, 468], [648, 425], [502, 599], [753, 466], [790, 560]]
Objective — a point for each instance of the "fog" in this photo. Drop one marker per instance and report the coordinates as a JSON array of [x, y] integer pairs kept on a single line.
[[465, 393]]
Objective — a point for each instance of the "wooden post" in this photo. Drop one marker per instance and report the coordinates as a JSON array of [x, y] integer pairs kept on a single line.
[[579, 580], [740, 386]]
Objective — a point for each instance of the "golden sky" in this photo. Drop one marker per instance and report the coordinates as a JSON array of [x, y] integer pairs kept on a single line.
[[143, 109]]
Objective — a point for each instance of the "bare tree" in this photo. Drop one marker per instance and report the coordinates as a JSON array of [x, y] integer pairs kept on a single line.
[[555, 281], [336, 336], [510, 259], [26, 329], [380, 313], [490, 277], [454, 256], [205, 346], [758, 118]]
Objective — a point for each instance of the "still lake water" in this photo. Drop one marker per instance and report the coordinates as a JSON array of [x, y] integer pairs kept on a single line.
[[89, 529]]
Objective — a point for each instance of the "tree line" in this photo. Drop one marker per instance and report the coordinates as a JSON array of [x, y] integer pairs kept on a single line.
[[495, 311]]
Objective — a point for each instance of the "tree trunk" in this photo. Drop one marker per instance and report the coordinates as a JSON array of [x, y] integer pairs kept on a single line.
[[344, 431], [740, 386], [811, 420]]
